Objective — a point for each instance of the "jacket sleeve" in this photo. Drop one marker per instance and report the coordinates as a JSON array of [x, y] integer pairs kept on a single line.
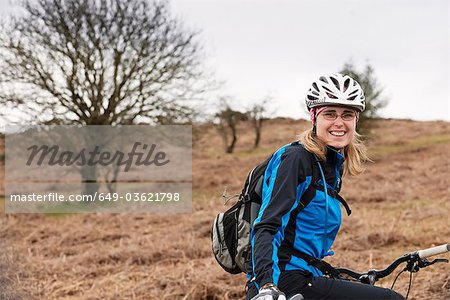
[[284, 183]]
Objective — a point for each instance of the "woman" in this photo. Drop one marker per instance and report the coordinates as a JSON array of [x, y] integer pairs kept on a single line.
[[300, 215]]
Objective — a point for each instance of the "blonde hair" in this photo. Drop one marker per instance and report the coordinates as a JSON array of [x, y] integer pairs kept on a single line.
[[355, 153]]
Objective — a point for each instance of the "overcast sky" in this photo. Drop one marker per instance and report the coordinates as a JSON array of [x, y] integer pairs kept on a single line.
[[279, 47]]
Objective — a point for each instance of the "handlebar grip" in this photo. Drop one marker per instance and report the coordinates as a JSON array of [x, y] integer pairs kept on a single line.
[[434, 251]]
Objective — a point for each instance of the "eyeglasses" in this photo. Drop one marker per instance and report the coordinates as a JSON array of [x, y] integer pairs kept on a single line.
[[331, 115]]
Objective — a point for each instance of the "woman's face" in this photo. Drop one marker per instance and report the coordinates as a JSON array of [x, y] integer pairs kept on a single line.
[[336, 126]]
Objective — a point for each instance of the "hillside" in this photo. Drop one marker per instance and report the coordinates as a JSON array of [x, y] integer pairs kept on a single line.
[[401, 203]]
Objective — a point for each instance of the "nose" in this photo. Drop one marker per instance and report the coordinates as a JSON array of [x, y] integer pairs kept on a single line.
[[339, 121]]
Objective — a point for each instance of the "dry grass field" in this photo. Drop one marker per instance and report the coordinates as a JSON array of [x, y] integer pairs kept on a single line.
[[401, 203]]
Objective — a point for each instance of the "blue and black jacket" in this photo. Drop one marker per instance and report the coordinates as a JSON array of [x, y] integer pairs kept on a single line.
[[296, 215]]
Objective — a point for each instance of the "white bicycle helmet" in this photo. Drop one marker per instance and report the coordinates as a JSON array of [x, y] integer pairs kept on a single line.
[[336, 89]]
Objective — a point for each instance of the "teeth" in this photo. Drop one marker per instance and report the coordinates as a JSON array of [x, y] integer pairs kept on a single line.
[[340, 133]]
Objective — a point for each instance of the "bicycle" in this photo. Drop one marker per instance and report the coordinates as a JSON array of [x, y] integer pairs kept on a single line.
[[414, 262]]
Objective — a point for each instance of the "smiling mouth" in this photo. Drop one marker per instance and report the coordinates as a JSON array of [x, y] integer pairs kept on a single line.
[[337, 133]]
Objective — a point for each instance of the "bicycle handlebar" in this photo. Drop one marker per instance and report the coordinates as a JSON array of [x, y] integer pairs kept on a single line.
[[414, 257]]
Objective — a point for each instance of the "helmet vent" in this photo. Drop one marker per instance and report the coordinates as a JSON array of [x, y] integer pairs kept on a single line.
[[331, 96], [336, 83], [346, 84], [322, 78], [315, 86], [327, 89], [351, 98], [312, 98]]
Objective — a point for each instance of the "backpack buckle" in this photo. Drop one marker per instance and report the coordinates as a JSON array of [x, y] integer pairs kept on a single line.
[[227, 197]]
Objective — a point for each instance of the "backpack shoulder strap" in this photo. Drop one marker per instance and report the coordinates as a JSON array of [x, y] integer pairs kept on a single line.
[[310, 192], [316, 170]]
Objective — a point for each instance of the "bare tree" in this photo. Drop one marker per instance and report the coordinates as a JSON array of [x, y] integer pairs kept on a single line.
[[97, 62], [228, 120], [257, 114]]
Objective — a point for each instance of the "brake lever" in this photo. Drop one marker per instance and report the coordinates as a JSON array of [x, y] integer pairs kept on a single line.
[[439, 260], [422, 263]]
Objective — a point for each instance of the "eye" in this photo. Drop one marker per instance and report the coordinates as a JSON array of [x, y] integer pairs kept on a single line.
[[348, 116], [330, 115]]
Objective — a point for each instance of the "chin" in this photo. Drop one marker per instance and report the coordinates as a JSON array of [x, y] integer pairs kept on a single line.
[[338, 145]]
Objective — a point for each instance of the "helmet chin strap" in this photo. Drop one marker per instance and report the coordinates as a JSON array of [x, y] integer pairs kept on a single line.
[[314, 129]]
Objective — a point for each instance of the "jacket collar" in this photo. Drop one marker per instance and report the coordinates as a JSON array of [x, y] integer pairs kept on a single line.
[[334, 156]]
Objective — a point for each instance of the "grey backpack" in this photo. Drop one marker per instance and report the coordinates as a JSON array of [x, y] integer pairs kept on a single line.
[[230, 232]]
